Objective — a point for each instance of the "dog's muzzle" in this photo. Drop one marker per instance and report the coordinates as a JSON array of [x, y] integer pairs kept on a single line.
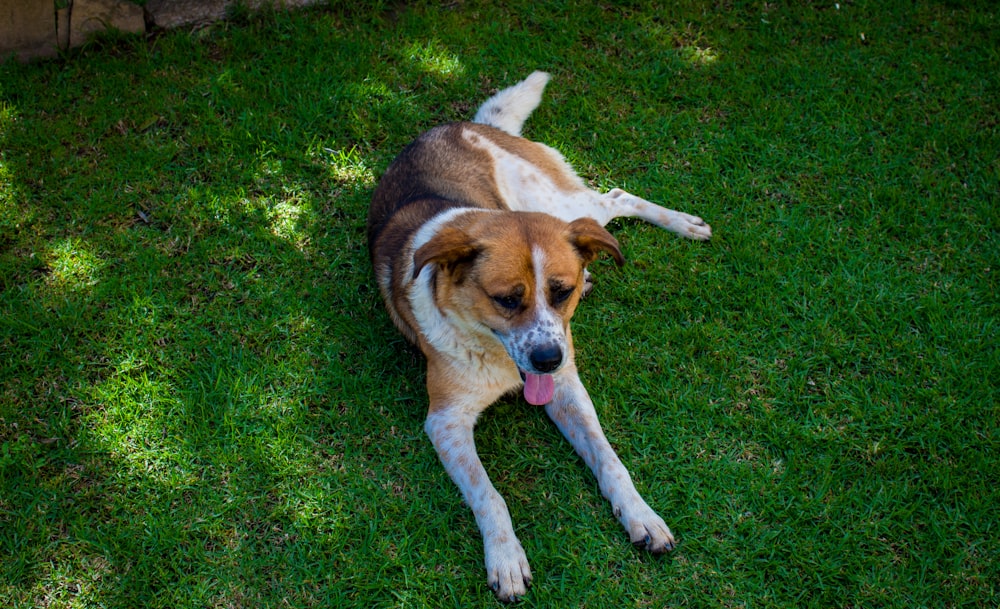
[[536, 367]]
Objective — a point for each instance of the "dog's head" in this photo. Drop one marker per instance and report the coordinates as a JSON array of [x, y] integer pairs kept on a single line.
[[517, 276]]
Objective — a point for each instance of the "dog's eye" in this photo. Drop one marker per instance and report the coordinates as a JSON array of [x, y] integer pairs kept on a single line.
[[508, 302], [559, 295]]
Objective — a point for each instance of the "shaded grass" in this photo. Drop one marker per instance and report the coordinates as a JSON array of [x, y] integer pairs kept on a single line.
[[203, 404]]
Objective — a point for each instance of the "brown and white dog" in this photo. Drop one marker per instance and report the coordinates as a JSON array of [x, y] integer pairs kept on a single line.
[[480, 241]]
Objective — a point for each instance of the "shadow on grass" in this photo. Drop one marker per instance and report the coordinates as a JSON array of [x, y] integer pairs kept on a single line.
[[200, 361]]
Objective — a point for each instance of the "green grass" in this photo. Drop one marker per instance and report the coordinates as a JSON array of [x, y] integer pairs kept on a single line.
[[203, 404]]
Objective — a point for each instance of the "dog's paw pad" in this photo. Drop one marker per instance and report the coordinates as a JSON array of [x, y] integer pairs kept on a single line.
[[694, 227], [656, 543], [647, 531], [508, 574]]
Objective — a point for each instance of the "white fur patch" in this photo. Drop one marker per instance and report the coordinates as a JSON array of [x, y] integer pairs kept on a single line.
[[525, 187], [432, 226], [433, 324], [508, 109]]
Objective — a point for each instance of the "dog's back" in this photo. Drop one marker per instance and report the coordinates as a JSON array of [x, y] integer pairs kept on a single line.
[[439, 169]]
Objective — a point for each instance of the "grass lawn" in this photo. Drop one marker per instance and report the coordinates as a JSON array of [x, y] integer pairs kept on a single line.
[[203, 403]]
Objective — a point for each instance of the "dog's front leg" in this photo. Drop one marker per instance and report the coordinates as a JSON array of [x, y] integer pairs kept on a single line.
[[451, 432], [573, 413]]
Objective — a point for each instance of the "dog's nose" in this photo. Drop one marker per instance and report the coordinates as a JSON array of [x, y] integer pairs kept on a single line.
[[546, 359]]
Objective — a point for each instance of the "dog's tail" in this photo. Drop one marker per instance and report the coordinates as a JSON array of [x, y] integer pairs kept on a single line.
[[508, 109]]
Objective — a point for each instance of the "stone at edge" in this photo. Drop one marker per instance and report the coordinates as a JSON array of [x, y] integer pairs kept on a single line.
[[178, 13], [194, 13], [28, 29], [88, 17]]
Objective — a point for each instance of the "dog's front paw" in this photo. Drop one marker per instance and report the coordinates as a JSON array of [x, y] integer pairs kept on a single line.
[[647, 530], [691, 227], [507, 571]]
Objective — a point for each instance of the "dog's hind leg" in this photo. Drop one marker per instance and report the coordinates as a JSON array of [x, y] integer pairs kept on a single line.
[[617, 203], [573, 413]]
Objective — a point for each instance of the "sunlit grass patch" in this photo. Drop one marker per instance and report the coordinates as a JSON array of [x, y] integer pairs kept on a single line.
[[10, 214], [135, 418], [288, 219], [430, 57], [348, 166], [73, 265], [701, 56]]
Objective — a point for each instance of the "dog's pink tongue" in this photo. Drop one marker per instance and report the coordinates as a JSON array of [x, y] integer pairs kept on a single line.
[[538, 388]]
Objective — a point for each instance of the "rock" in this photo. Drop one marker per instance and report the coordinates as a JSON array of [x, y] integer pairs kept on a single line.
[[88, 17], [195, 13], [31, 29], [180, 13], [28, 29]]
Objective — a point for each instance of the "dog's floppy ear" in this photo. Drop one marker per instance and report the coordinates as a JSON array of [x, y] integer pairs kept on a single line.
[[590, 239], [449, 248]]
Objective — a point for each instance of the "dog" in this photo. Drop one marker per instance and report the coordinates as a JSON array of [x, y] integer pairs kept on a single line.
[[480, 241]]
